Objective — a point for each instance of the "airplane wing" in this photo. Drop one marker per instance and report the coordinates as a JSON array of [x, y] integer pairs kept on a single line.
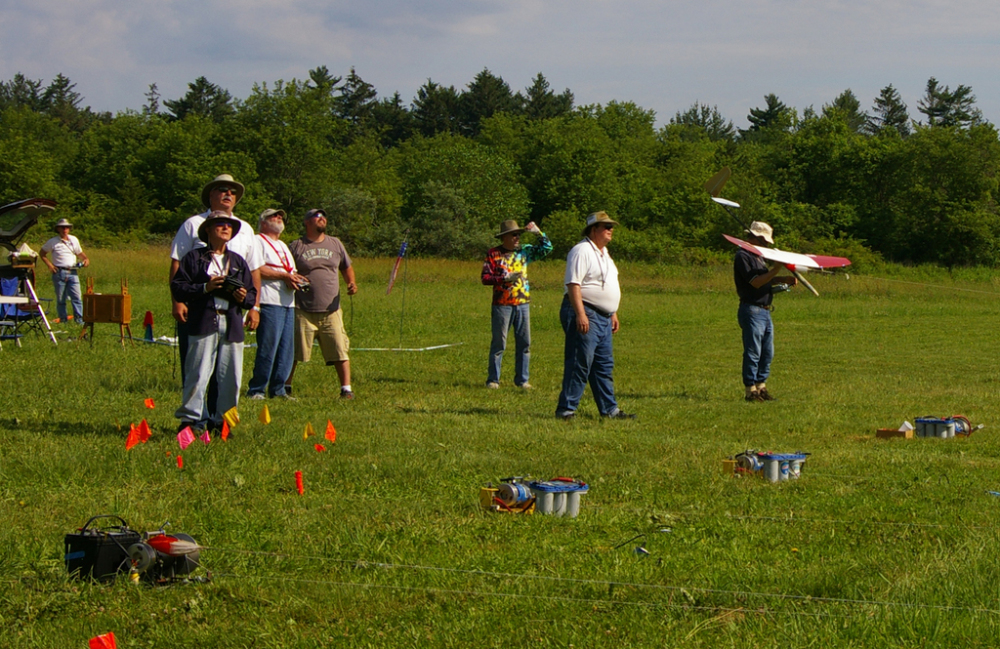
[[802, 262], [831, 262]]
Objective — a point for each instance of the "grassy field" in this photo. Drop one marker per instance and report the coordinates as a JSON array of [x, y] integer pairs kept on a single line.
[[882, 543]]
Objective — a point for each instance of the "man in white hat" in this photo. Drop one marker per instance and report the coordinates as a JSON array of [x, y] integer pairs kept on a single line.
[[220, 195], [754, 283], [276, 334], [67, 256], [589, 317]]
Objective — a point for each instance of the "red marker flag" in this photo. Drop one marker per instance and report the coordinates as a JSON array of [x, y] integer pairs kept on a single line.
[[395, 267], [225, 431], [133, 437], [331, 432], [144, 432], [149, 404], [298, 483], [106, 641], [180, 462], [319, 448]]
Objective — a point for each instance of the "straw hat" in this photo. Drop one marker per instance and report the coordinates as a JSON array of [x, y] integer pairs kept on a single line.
[[762, 230]]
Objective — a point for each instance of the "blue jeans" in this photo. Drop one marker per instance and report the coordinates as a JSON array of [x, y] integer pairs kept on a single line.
[[275, 350], [504, 317], [211, 356], [587, 358], [67, 285], [758, 343]]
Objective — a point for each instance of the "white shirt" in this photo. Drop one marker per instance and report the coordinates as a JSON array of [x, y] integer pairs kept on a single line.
[[243, 244], [596, 274], [63, 252], [276, 255]]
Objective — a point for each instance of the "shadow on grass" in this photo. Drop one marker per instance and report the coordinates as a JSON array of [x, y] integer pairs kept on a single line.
[[64, 428]]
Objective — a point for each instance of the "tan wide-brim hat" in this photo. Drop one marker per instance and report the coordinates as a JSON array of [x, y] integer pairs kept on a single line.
[[509, 227], [216, 217], [63, 223], [762, 230], [221, 179], [598, 218]]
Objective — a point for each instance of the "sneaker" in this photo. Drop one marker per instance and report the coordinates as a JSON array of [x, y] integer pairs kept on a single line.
[[256, 396], [286, 397], [566, 416], [346, 394], [492, 385], [526, 386], [764, 395], [288, 389], [620, 415], [753, 397]]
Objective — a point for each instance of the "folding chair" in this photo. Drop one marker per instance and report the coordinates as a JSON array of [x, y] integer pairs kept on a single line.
[[20, 309]]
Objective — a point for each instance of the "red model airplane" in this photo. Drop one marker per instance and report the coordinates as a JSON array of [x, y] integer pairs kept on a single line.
[[795, 262]]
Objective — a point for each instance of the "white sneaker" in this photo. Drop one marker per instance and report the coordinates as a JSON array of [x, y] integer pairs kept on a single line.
[[492, 385], [256, 396]]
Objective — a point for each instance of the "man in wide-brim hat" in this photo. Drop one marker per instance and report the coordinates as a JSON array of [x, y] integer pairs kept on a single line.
[[67, 256], [589, 317], [754, 282], [506, 270]]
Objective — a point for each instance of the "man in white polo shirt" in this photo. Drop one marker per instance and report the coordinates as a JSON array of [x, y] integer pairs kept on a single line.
[[589, 317]]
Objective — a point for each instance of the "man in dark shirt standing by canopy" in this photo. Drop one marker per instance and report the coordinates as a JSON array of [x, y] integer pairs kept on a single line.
[[754, 283], [321, 258]]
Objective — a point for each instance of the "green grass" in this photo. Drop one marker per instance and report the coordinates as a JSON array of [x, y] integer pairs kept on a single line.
[[882, 543]]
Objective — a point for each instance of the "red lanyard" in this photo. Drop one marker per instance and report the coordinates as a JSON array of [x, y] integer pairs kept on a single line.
[[281, 256]]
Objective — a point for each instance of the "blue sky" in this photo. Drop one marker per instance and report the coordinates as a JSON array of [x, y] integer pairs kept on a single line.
[[663, 55]]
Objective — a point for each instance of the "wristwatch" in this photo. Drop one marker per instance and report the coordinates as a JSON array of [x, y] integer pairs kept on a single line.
[[257, 309]]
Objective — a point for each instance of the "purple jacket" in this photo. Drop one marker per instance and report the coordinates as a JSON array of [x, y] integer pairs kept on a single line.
[[188, 286]]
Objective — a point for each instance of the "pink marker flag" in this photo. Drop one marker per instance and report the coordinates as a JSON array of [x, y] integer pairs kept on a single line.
[[206, 438], [185, 437]]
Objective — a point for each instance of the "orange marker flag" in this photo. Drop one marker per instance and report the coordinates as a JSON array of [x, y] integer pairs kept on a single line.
[[225, 431], [309, 432], [265, 415], [331, 432], [149, 404], [232, 417], [144, 432], [319, 448], [133, 437], [106, 641], [298, 483]]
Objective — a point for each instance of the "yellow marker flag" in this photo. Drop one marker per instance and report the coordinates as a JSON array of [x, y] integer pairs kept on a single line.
[[232, 417], [265, 415], [309, 431]]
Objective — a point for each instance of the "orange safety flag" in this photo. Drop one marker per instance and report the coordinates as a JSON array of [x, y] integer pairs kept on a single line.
[[225, 431], [320, 448], [106, 641], [331, 432], [144, 432], [149, 404], [309, 432], [265, 415], [133, 437], [232, 417]]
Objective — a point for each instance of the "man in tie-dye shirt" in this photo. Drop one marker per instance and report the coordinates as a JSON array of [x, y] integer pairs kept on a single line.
[[506, 270]]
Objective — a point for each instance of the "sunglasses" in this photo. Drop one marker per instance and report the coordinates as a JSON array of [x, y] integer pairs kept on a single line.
[[607, 227], [226, 190]]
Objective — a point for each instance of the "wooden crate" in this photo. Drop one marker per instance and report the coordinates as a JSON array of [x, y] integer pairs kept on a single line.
[[886, 433]]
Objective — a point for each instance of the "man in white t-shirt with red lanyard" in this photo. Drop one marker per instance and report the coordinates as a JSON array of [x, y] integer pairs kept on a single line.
[[276, 333]]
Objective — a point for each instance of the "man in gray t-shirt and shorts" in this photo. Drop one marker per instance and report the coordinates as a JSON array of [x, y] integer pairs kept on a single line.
[[321, 259]]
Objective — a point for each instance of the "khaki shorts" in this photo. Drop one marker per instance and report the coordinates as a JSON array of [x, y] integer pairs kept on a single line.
[[333, 339]]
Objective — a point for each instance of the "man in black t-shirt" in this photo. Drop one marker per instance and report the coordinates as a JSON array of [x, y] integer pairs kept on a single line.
[[754, 283]]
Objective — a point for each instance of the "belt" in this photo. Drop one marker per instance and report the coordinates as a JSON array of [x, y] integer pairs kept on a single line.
[[66, 267], [599, 311], [769, 307], [221, 311]]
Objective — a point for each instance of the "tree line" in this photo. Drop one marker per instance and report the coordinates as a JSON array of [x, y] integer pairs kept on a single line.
[[445, 169]]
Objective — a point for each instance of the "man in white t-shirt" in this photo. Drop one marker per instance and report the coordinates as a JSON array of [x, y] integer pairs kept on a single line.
[[220, 195], [67, 256], [276, 333], [589, 317]]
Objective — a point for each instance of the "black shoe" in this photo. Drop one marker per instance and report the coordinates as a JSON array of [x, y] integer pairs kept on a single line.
[[620, 415], [346, 394], [764, 395]]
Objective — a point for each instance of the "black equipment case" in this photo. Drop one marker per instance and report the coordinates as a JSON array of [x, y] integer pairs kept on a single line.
[[100, 553]]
